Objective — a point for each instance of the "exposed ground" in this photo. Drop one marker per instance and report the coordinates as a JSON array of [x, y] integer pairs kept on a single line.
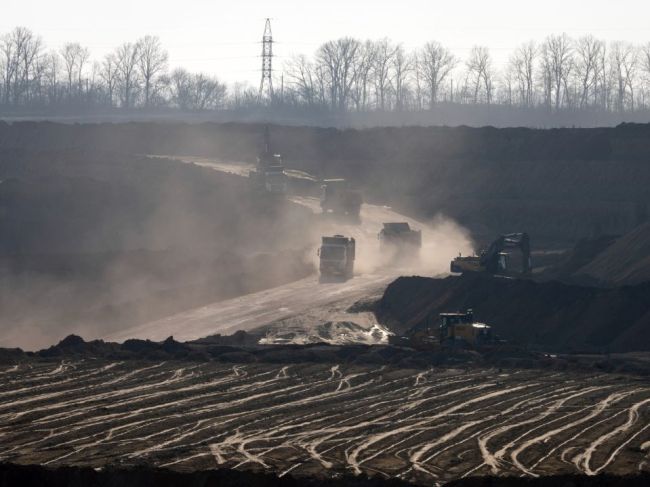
[[549, 315], [625, 261], [559, 185], [426, 417], [307, 311], [144, 476], [92, 242], [422, 426]]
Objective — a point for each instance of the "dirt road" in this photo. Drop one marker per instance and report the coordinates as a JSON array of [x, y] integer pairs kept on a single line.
[[307, 311]]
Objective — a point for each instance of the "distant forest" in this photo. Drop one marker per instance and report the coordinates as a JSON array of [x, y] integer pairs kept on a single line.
[[560, 81]]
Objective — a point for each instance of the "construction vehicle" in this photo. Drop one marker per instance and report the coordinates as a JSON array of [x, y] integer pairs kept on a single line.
[[460, 327], [339, 200], [269, 174], [337, 255], [494, 259], [451, 330], [399, 243]]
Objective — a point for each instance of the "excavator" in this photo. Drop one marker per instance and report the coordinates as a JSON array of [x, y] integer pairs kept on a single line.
[[269, 173], [494, 260]]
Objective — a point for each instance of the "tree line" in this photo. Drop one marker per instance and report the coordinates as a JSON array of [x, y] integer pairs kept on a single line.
[[135, 74], [344, 75], [558, 73]]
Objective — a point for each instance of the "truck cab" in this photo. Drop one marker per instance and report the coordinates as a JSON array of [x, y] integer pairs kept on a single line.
[[337, 198], [337, 254], [399, 243]]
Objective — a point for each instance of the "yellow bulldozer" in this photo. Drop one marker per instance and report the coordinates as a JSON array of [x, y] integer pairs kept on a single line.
[[461, 327], [456, 329]]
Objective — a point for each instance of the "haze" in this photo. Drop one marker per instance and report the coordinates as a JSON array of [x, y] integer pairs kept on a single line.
[[222, 38]]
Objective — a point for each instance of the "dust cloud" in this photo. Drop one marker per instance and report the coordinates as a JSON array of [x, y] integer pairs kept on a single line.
[[442, 240], [94, 243]]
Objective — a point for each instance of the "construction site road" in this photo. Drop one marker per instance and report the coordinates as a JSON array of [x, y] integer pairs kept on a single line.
[[307, 311]]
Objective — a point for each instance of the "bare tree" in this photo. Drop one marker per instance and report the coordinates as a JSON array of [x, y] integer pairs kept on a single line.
[[435, 63], [301, 77], [10, 61], [479, 68], [337, 60], [588, 51], [53, 67], [109, 75], [152, 62], [19, 49], [363, 75], [126, 61], [401, 66], [207, 91], [74, 58], [384, 54], [522, 67], [644, 64], [196, 91], [623, 63], [559, 61]]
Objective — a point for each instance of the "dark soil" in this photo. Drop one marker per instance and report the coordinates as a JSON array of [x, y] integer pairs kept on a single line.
[[34, 475], [12, 475], [547, 315], [559, 185]]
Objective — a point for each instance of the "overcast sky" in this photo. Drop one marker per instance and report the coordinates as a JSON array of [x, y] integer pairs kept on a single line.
[[223, 37]]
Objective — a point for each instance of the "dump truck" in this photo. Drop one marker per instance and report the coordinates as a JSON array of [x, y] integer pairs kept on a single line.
[[399, 243], [337, 254], [269, 174], [494, 259], [339, 200]]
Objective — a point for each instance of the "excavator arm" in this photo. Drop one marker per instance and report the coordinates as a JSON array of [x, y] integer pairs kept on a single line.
[[490, 258]]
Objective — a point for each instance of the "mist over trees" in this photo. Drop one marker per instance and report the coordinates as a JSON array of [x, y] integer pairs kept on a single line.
[[347, 75]]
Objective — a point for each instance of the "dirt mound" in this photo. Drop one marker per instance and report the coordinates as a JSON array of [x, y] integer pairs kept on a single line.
[[570, 261], [626, 261], [550, 315]]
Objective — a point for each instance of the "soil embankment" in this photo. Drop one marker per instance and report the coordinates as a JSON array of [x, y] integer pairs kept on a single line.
[[559, 185], [550, 315], [626, 261]]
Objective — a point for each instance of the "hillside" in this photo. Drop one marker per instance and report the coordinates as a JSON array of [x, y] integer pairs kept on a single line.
[[559, 185], [548, 315], [626, 261]]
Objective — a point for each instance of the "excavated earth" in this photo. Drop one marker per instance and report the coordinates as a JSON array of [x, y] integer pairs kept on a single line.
[[559, 185], [549, 315], [317, 412], [625, 261], [323, 419]]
